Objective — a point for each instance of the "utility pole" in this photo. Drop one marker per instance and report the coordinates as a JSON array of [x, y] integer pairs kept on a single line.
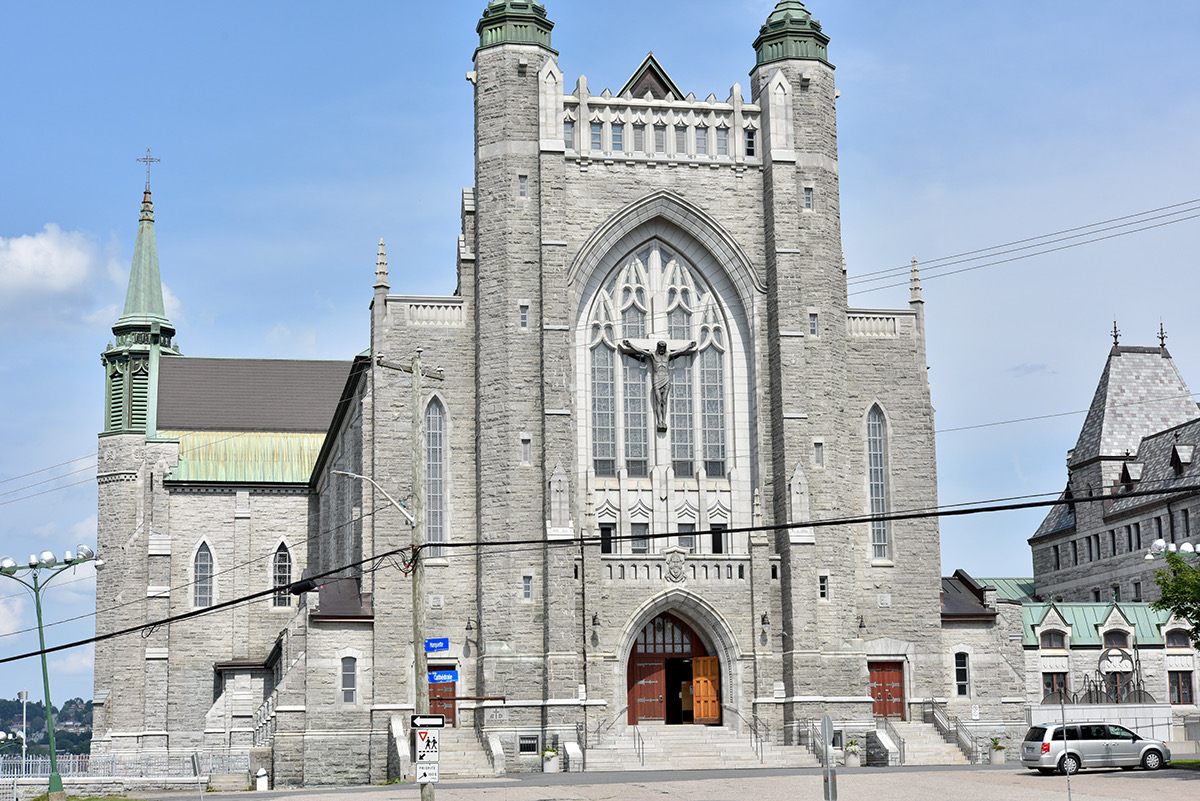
[[417, 518]]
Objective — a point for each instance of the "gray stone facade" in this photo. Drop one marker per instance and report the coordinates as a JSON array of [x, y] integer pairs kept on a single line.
[[558, 550]]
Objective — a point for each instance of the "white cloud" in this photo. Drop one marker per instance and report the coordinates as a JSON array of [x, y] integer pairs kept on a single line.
[[49, 262], [12, 615], [73, 660]]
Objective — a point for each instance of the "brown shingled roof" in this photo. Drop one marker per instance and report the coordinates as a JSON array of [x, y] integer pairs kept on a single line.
[[248, 394]]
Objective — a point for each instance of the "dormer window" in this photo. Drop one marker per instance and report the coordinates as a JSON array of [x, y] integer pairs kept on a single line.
[[1116, 639], [1054, 639], [1131, 474], [1181, 457], [1178, 638]]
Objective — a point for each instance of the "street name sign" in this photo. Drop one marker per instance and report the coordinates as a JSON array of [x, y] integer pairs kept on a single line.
[[443, 676], [437, 644]]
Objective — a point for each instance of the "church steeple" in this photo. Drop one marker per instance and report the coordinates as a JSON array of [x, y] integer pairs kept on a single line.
[[141, 335], [144, 299]]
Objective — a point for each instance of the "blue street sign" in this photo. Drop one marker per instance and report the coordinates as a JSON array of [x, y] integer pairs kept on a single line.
[[443, 676], [437, 644]]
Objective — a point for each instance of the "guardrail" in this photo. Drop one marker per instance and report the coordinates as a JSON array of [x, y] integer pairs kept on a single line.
[[639, 745], [893, 735], [85, 765]]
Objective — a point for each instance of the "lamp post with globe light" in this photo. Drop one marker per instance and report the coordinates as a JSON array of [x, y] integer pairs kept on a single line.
[[41, 570]]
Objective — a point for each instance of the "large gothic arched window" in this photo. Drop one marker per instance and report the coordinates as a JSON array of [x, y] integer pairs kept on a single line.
[[435, 475], [657, 356], [877, 482]]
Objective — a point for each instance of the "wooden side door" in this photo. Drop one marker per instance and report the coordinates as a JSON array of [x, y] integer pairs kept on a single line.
[[887, 689], [441, 700], [646, 691], [706, 689]]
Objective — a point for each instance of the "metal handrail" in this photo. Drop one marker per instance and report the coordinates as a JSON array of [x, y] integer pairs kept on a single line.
[[968, 743], [639, 745], [816, 742], [758, 739], [894, 735], [953, 730], [602, 726]]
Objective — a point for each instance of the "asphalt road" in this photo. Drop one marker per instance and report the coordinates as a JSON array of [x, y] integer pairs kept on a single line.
[[975, 783]]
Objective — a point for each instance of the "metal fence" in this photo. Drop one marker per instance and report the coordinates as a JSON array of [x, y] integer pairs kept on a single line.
[[86, 765]]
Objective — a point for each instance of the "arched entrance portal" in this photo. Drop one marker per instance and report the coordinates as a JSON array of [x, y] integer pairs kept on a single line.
[[671, 677]]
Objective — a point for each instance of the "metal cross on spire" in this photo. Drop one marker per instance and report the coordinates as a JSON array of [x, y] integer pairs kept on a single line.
[[148, 159], [1162, 335], [1116, 334]]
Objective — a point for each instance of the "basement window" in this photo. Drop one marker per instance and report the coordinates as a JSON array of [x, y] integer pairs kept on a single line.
[[528, 744]]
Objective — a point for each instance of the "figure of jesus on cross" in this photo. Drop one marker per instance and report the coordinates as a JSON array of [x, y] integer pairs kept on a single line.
[[659, 355]]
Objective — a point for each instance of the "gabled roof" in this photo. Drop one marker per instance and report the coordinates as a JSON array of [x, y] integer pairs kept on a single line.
[[1086, 620], [247, 421], [650, 76], [248, 394], [962, 598], [1140, 392]]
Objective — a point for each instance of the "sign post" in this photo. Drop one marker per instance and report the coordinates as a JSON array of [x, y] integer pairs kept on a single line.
[[830, 768]]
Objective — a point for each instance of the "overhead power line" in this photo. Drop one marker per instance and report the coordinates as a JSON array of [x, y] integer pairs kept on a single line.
[[387, 557]]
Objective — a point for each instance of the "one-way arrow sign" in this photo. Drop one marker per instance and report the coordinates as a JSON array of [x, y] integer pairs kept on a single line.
[[427, 721]]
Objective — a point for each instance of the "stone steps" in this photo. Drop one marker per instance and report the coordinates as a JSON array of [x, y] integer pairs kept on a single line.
[[924, 745], [691, 748], [461, 756]]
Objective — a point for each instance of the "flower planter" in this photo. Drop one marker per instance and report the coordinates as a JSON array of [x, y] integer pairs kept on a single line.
[[997, 756], [551, 765], [853, 760]]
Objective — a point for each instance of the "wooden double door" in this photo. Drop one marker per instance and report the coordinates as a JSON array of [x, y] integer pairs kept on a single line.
[[671, 678], [887, 689]]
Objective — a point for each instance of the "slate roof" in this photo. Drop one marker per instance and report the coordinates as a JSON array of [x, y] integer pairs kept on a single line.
[[1060, 518], [1156, 455], [259, 395], [1140, 392], [1086, 618]]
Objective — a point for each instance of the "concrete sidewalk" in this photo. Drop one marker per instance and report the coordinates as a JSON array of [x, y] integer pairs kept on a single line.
[[976, 783]]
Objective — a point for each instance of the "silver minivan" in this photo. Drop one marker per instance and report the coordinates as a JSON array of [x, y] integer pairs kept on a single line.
[[1090, 745]]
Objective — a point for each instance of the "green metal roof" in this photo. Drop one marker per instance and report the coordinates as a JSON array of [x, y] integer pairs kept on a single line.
[[1085, 620], [144, 298], [790, 32], [1010, 589], [514, 22], [245, 457]]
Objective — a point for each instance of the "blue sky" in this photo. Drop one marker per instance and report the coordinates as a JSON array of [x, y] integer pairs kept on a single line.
[[294, 135]]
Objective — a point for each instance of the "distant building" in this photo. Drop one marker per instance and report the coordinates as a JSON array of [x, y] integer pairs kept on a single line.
[[1138, 443]]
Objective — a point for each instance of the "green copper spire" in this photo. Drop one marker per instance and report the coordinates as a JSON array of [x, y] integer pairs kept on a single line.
[[144, 300], [142, 336], [514, 22], [790, 32]]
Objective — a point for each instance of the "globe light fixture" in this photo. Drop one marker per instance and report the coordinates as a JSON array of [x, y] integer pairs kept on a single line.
[[41, 570]]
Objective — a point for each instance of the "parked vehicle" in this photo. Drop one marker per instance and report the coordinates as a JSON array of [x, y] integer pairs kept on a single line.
[[1090, 745]]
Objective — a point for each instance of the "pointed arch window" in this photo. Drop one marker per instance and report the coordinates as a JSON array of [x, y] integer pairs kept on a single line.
[[655, 296], [281, 576], [202, 577], [435, 476], [877, 482]]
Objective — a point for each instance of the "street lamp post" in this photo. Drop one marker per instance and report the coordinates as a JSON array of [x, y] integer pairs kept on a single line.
[[45, 562], [24, 698]]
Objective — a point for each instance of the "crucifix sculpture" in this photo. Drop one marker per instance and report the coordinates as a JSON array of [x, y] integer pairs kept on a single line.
[[658, 355]]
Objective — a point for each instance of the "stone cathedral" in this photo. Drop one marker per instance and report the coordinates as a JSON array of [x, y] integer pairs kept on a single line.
[[652, 384]]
